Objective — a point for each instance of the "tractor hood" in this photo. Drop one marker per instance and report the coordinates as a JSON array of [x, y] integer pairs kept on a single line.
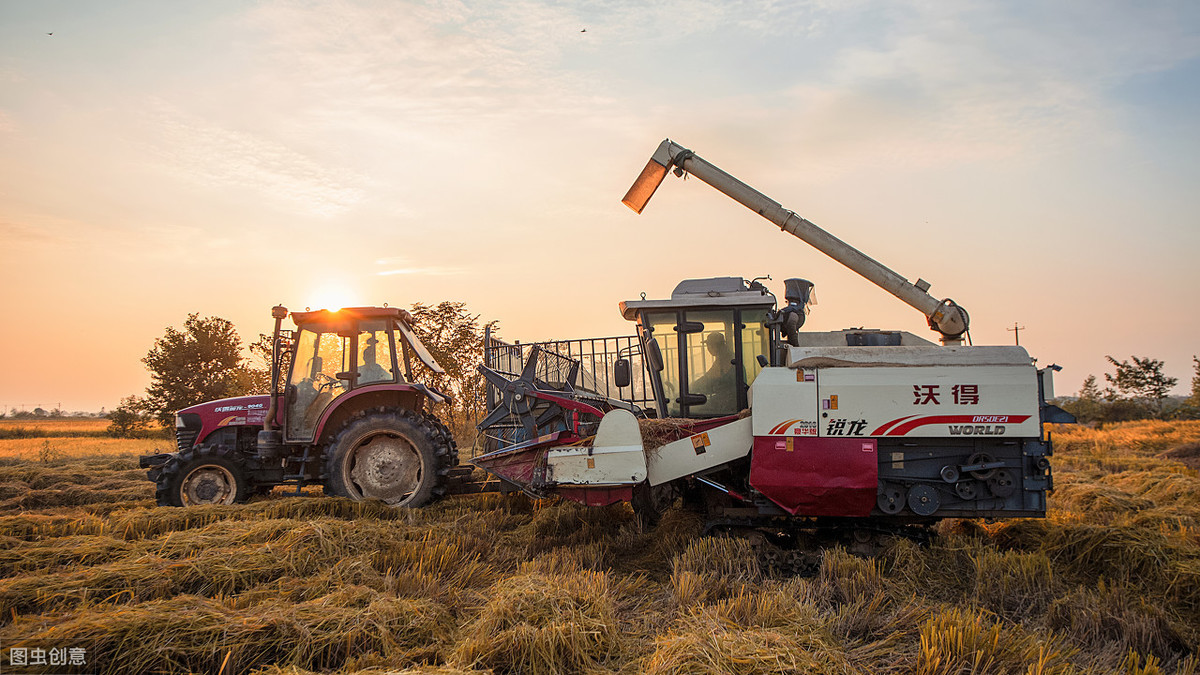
[[237, 411]]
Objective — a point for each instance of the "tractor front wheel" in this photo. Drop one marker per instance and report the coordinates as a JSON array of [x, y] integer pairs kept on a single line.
[[202, 475], [394, 456]]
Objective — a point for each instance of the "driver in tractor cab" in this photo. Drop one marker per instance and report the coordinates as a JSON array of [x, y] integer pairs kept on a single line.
[[717, 382], [369, 369]]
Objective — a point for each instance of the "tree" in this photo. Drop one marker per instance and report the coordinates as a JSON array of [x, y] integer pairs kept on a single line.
[[1141, 382], [129, 419], [454, 337], [1191, 407], [200, 363], [260, 352], [1089, 405], [1194, 399], [260, 360]]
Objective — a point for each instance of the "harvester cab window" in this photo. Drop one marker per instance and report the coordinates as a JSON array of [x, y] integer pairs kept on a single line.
[[711, 361], [756, 341], [375, 359], [320, 357], [662, 329]]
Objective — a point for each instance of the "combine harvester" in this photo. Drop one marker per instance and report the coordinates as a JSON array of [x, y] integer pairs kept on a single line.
[[838, 436], [719, 400]]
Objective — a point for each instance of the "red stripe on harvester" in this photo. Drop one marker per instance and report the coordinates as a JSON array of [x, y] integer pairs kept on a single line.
[[779, 428], [885, 427], [951, 419]]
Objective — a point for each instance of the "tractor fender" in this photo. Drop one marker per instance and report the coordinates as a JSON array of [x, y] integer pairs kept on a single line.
[[402, 396]]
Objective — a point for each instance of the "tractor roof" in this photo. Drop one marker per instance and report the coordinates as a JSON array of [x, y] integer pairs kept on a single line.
[[326, 317]]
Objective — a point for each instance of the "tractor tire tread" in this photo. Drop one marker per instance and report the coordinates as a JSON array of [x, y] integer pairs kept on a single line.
[[431, 435], [171, 472]]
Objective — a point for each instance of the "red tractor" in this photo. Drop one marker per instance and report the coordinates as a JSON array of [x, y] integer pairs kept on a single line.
[[344, 412]]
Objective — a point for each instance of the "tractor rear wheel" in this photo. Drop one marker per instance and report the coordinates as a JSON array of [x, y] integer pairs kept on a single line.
[[395, 456], [445, 438], [203, 475]]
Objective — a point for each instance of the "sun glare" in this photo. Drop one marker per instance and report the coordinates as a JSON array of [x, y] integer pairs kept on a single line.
[[331, 296]]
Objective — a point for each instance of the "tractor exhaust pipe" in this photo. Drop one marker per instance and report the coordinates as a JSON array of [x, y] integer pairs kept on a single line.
[[279, 312], [270, 439]]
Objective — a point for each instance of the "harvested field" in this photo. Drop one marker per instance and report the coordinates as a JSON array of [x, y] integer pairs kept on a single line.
[[1110, 582], [41, 427], [50, 449]]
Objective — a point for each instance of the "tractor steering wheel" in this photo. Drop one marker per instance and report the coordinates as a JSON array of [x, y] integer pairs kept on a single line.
[[324, 380]]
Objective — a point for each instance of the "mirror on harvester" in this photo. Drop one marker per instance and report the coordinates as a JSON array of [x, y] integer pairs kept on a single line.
[[621, 374], [654, 355]]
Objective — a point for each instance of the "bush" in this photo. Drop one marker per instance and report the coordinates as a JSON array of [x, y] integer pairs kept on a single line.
[[131, 420]]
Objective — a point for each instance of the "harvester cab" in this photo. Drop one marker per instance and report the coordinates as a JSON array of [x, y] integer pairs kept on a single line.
[[708, 343]]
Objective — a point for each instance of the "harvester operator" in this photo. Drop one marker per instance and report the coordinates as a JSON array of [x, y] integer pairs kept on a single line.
[[717, 383]]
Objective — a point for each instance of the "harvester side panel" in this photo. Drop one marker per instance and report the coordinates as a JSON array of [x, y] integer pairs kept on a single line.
[[785, 402], [951, 431], [817, 476], [929, 402], [699, 452]]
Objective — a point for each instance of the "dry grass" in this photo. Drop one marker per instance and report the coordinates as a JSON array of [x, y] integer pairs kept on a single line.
[[69, 426], [1109, 582], [55, 449]]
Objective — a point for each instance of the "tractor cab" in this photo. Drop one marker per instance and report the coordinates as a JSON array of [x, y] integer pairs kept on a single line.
[[336, 353], [706, 344]]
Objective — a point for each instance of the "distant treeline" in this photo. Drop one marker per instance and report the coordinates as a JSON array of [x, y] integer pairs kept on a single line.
[[1137, 390], [55, 414]]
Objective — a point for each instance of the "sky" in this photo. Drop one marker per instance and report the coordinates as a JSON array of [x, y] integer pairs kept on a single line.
[[1038, 162]]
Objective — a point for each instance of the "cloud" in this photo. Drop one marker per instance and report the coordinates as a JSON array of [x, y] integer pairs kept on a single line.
[[10, 74], [402, 266], [44, 231], [428, 66], [433, 271], [209, 154], [12, 232], [939, 84]]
